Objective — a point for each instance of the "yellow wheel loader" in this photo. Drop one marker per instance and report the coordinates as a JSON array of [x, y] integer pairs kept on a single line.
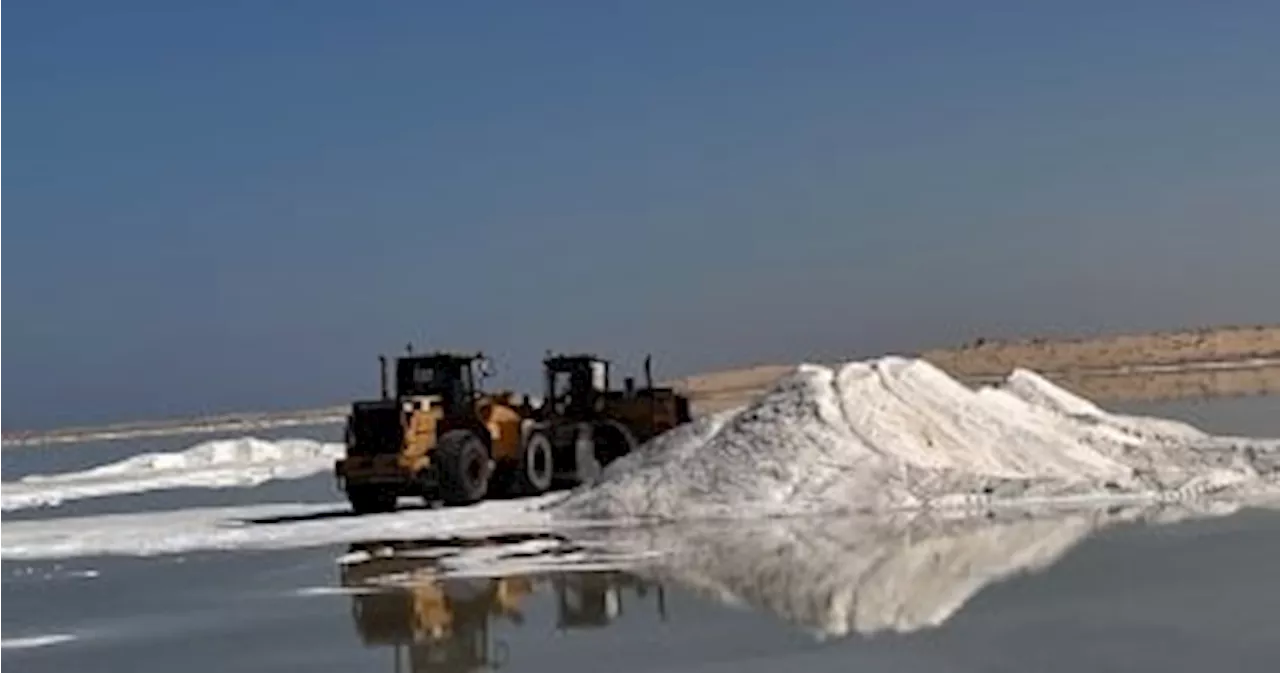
[[584, 424], [438, 437]]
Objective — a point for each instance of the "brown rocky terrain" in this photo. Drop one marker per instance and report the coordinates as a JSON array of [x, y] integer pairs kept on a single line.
[[996, 358], [1211, 362]]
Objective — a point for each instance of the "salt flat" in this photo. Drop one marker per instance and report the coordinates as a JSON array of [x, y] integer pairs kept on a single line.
[[256, 583]]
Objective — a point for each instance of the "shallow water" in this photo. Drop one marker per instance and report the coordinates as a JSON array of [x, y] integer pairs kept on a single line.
[[1174, 597], [1068, 594], [1247, 416]]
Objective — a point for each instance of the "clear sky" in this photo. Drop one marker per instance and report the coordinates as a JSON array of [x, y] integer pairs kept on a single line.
[[235, 205]]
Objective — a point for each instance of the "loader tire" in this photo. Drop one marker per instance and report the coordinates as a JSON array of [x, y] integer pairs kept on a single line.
[[533, 473], [611, 443], [464, 468]]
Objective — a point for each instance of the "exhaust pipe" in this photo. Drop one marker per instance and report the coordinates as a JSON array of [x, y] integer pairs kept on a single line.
[[382, 375], [653, 398]]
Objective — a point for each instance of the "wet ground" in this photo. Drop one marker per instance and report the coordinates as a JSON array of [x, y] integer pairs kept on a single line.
[[1084, 591]]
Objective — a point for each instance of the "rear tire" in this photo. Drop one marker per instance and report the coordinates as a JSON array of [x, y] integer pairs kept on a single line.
[[611, 443], [534, 472], [464, 468], [371, 500]]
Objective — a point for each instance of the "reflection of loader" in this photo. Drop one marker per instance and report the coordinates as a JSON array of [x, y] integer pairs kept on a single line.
[[438, 437], [586, 600], [443, 624], [584, 425]]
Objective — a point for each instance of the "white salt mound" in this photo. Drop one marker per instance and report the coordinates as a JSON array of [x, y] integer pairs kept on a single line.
[[240, 451], [222, 463], [898, 433]]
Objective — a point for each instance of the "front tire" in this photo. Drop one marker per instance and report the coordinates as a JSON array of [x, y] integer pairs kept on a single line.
[[533, 473], [464, 468]]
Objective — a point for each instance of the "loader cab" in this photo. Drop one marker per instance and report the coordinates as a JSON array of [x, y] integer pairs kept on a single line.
[[451, 377], [576, 385]]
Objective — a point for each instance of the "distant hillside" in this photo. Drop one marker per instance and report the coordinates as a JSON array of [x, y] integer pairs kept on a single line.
[[1149, 366], [1222, 361], [236, 422], [993, 357]]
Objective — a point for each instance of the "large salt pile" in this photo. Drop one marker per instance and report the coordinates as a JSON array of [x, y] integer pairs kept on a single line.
[[897, 433]]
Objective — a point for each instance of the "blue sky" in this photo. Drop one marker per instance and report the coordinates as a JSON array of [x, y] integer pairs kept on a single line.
[[236, 205]]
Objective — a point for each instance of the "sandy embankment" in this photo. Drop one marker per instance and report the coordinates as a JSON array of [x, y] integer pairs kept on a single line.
[[1227, 361]]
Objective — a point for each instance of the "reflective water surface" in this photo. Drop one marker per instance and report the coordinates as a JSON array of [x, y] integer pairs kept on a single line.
[[1125, 588]]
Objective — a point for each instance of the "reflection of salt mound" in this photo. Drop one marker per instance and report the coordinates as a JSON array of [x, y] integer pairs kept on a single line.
[[246, 461], [864, 575], [899, 433]]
